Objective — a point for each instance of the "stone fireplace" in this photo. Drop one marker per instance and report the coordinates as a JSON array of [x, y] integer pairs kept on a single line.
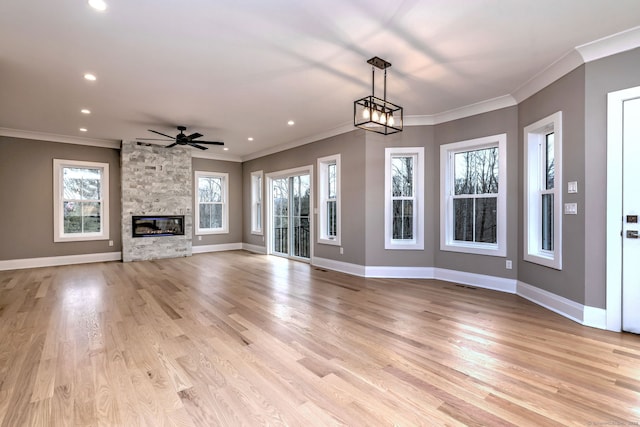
[[157, 187]]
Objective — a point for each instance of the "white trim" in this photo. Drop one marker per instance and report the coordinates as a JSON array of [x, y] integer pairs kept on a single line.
[[610, 45], [255, 192], [561, 305], [254, 248], [534, 139], [64, 139], [478, 280], [59, 235], [447, 181], [559, 68], [224, 229], [16, 264], [595, 317], [615, 102], [481, 107], [201, 249], [343, 267], [399, 272], [417, 243], [323, 167]]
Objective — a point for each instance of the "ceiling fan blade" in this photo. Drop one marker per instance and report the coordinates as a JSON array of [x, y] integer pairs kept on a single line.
[[171, 145], [151, 139], [211, 142], [194, 136], [196, 145], [160, 133]]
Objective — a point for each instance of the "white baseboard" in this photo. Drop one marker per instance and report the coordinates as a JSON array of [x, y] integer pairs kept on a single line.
[[216, 248], [478, 280], [561, 305], [16, 264], [595, 317], [254, 248], [399, 272], [343, 267]]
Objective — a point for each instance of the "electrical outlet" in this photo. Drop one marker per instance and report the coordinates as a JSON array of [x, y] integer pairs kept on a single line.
[[199, 237], [110, 242], [341, 250], [509, 264]]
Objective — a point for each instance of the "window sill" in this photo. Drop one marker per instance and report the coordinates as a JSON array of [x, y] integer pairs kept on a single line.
[[490, 250], [206, 232], [257, 232], [333, 242], [546, 261]]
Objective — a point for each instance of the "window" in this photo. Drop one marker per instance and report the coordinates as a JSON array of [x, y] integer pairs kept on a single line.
[[404, 205], [81, 200], [543, 190], [256, 202], [329, 200], [473, 196], [212, 211]]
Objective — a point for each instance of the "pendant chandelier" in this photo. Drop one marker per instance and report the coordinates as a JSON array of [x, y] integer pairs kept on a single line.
[[374, 114]]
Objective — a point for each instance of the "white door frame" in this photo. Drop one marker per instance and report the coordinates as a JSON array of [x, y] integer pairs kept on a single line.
[[303, 170], [615, 101]]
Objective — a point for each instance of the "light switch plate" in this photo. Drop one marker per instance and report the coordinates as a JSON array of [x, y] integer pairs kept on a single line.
[[571, 209], [572, 187]]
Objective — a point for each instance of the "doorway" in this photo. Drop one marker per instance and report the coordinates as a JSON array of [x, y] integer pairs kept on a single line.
[[289, 214], [623, 211]]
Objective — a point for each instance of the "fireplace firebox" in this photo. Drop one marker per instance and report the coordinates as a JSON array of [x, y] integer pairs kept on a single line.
[[157, 225]]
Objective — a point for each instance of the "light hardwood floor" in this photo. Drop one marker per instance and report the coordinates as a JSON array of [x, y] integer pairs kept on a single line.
[[241, 339]]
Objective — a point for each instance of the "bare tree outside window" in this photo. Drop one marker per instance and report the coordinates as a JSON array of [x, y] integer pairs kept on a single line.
[[402, 197], [210, 201], [475, 195], [81, 200]]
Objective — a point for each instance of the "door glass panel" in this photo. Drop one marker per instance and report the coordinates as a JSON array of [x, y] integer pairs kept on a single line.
[[281, 216], [300, 197]]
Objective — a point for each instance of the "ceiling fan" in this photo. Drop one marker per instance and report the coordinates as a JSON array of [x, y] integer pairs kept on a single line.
[[183, 139]]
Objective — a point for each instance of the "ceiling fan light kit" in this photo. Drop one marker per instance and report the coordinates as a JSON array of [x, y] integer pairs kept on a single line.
[[182, 139], [374, 114]]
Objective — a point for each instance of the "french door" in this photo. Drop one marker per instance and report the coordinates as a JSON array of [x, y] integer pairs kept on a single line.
[[290, 214]]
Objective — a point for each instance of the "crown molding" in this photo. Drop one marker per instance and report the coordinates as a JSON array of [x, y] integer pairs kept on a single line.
[[475, 109], [41, 136], [567, 63], [610, 45], [345, 128]]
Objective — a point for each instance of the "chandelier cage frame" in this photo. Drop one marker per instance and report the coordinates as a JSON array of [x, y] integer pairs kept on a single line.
[[375, 114]]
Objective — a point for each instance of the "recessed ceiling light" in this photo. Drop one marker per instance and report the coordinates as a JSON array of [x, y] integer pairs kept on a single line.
[[90, 77], [250, 139], [226, 148], [85, 111], [98, 5], [83, 129], [291, 123]]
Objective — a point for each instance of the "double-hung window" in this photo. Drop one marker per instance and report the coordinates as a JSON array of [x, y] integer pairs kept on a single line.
[[473, 196], [543, 191], [404, 198], [256, 202], [212, 210], [329, 200], [81, 200]]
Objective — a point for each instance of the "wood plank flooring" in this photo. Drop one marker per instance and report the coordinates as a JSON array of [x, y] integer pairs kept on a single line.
[[232, 339]]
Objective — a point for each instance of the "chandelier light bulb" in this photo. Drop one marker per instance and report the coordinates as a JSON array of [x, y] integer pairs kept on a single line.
[[391, 121], [375, 116], [383, 118], [366, 112]]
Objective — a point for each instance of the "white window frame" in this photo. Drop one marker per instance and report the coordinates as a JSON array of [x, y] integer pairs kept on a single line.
[[417, 243], [225, 203], [447, 171], [534, 177], [58, 201], [257, 204], [323, 199]]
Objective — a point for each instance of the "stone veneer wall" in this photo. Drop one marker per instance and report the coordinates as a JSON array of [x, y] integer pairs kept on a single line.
[[155, 181]]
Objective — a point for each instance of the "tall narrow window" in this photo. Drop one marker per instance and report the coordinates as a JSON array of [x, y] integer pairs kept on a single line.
[[256, 202], [212, 210], [473, 194], [329, 200], [543, 226], [81, 200], [404, 210]]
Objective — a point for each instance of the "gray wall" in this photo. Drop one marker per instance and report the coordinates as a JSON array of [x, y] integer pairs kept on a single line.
[[350, 146], [567, 95], [234, 169], [606, 75], [478, 126], [377, 255], [26, 198]]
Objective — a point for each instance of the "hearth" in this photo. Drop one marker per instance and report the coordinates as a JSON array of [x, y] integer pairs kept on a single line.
[[157, 225]]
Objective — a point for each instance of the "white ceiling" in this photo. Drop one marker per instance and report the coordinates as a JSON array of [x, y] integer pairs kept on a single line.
[[237, 69]]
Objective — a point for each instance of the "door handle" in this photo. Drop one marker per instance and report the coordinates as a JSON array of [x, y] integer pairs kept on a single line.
[[632, 234]]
